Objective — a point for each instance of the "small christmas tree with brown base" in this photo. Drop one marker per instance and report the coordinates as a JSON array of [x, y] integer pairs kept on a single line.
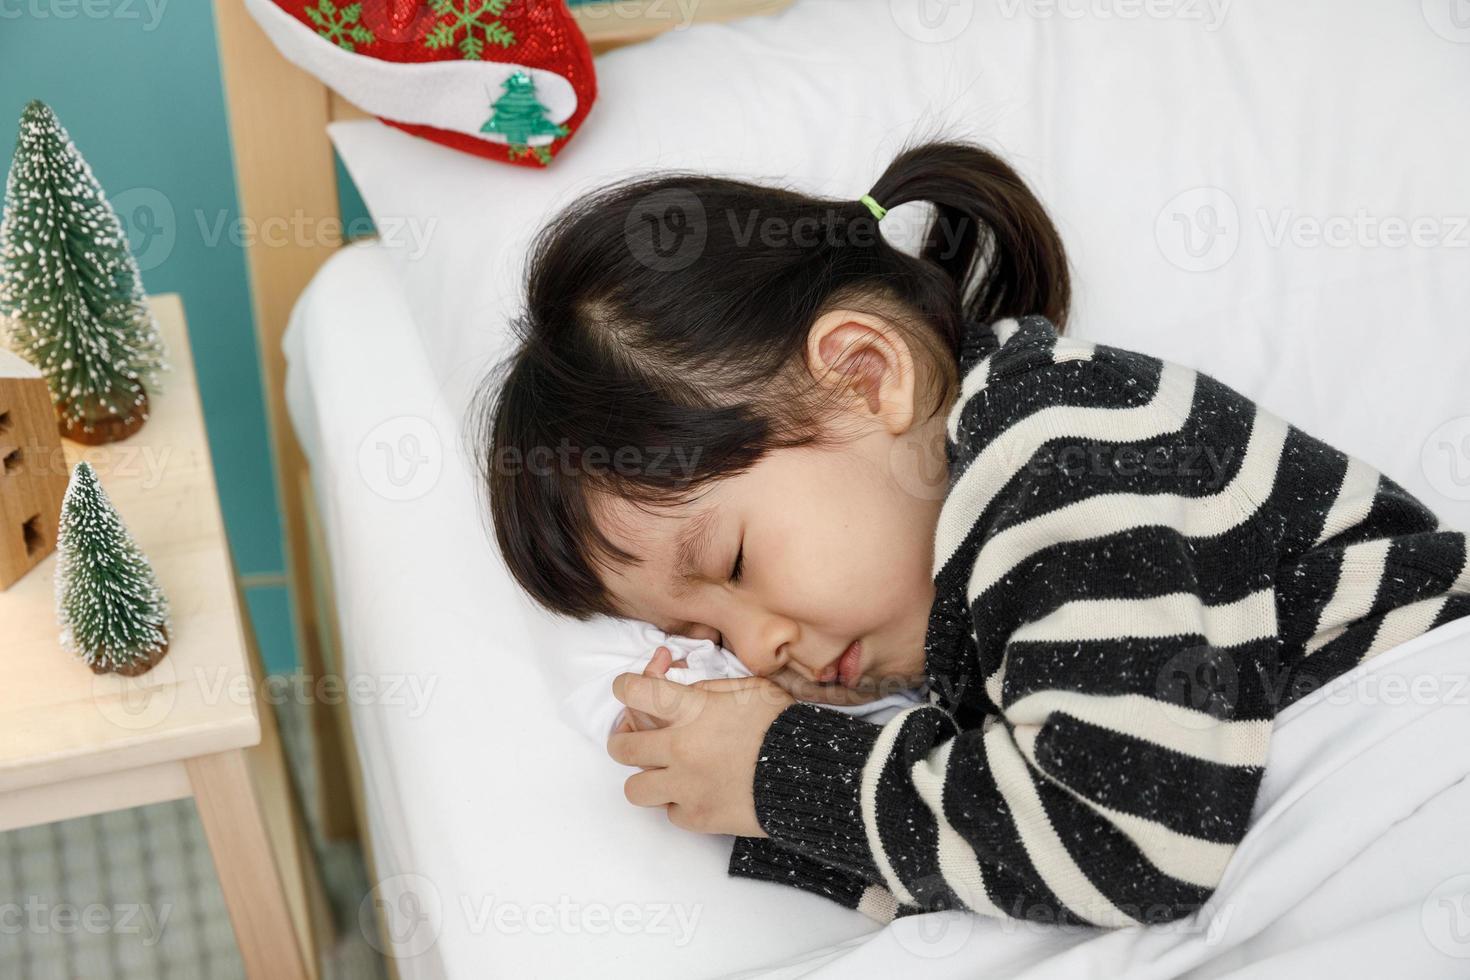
[[71, 290], [108, 603]]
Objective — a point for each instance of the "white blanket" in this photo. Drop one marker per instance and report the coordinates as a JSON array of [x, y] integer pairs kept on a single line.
[[1357, 863]]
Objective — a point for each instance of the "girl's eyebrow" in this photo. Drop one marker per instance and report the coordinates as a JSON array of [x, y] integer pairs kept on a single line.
[[689, 552]]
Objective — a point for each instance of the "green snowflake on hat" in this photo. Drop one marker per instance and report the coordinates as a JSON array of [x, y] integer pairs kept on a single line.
[[468, 16], [342, 27]]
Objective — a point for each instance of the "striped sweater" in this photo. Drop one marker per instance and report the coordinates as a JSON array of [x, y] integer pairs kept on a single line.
[[1136, 568]]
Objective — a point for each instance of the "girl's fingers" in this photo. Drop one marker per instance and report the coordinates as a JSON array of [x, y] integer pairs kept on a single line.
[[663, 659], [659, 665], [643, 722], [647, 750], [656, 696], [648, 788]]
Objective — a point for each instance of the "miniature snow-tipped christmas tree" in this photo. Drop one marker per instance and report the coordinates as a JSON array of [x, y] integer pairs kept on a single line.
[[108, 603], [519, 117], [71, 289]]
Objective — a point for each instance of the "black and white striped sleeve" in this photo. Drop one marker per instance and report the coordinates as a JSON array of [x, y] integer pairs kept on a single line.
[[1107, 784]]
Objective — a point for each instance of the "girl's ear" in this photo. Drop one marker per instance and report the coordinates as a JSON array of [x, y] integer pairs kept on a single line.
[[869, 361]]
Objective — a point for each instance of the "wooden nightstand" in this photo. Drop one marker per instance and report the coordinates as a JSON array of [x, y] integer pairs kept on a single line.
[[73, 743]]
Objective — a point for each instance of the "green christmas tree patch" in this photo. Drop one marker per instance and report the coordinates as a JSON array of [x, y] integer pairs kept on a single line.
[[518, 116]]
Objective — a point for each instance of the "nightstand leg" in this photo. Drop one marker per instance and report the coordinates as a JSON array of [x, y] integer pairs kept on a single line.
[[252, 882]]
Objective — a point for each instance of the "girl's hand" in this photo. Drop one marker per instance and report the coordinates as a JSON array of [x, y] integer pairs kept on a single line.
[[633, 721], [700, 765]]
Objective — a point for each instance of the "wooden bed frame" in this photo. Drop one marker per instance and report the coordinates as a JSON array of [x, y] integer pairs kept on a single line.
[[284, 165]]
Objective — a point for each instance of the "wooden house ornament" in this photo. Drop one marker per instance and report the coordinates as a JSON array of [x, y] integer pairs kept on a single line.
[[33, 471]]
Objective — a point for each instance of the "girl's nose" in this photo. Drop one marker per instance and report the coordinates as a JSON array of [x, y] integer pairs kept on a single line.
[[764, 648]]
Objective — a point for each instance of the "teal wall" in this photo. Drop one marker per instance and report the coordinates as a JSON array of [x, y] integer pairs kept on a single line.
[[139, 90]]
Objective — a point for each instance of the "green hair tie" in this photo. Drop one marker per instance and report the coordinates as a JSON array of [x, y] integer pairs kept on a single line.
[[878, 210]]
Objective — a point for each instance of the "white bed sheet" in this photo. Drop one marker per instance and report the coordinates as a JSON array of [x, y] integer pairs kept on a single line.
[[1303, 113], [486, 797], [507, 849]]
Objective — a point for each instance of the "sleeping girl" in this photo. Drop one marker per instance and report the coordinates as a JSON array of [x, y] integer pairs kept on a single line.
[[863, 470]]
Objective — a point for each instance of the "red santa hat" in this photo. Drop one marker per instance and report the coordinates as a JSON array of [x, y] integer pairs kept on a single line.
[[506, 79]]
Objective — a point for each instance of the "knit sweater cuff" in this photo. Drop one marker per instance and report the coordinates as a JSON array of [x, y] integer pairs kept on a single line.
[[765, 859], [808, 785]]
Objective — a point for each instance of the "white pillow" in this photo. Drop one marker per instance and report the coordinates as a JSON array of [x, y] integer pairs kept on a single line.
[[820, 96], [1250, 127]]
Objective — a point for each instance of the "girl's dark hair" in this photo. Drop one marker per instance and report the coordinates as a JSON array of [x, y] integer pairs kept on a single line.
[[662, 344]]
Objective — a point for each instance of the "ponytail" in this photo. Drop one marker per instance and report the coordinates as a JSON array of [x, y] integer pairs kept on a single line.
[[988, 226]]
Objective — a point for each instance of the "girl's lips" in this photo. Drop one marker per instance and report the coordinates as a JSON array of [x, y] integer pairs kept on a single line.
[[848, 666], [845, 669]]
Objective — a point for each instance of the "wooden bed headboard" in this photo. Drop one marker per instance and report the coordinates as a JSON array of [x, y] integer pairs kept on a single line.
[[284, 167]]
